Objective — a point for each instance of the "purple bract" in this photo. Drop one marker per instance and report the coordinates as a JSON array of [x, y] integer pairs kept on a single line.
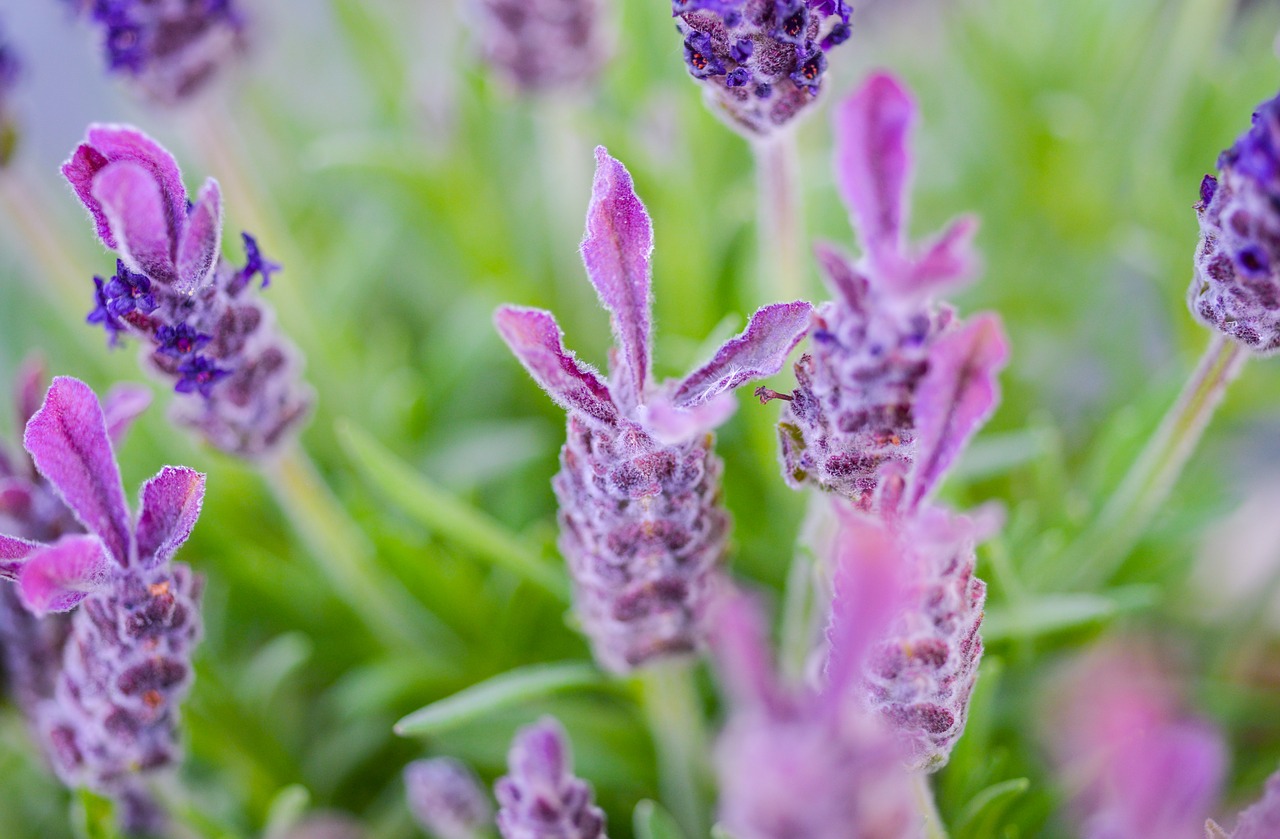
[[540, 796], [642, 523], [542, 45], [1260, 821], [447, 799]]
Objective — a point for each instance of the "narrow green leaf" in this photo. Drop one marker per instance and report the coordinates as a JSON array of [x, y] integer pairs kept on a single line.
[[718, 832], [985, 800], [441, 512], [93, 816], [1052, 613], [502, 691], [286, 809], [650, 821]]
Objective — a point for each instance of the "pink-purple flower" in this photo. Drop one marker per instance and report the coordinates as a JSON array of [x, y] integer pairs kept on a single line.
[[538, 46], [540, 797], [446, 798], [1260, 820]]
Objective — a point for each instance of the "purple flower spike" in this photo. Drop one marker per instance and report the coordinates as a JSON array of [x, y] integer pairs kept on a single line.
[[10, 73], [540, 797], [447, 799], [542, 46], [1236, 289], [209, 334], [641, 521], [1260, 821], [760, 64]]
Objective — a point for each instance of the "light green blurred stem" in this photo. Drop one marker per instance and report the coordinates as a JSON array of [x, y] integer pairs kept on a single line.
[[34, 233], [780, 221], [1153, 474], [933, 826], [674, 712], [345, 555]]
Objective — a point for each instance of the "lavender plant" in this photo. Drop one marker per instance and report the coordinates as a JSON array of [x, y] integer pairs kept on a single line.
[[641, 520], [205, 327], [125, 666], [540, 797], [538, 46], [447, 799], [168, 49]]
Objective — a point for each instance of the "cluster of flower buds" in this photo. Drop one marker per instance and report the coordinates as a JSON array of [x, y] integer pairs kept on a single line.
[[540, 797], [1260, 821], [125, 665], [642, 523], [855, 408], [169, 49], [1236, 289], [447, 799], [206, 329], [761, 62], [539, 46], [10, 71]]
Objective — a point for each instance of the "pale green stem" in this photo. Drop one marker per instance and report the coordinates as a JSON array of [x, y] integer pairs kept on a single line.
[[934, 828], [674, 711], [808, 592], [1153, 474], [35, 235], [780, 222]]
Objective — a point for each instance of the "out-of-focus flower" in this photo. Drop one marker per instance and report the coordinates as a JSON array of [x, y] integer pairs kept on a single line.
[[447, 799], [1135, 762], [1236, 289], [883, 346], [168, 49], [208, 331], [642, 523], [327, 824], [540, 797], [126, 664], [1260, 821], [538, 46], [760, 62], [10, 72]]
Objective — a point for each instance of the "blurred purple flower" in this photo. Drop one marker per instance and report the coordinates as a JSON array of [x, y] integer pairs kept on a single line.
[[1260, 821], [10, 73], [883, 352], [540, 797], [125, 665], [642, 524], [169, 50], [447, 799], [209, 333], [539, 46], [1236, 289], [760, 62], [1138, 764]]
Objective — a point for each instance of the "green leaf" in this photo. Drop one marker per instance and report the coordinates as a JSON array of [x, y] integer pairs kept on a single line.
[[1052, 613], [93, 816], [441, 512], [990, 799], [510, 688], [285, 810], [652, 822]]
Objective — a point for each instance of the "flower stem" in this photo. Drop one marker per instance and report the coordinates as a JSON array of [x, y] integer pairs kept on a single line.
[[933, 825], [780, 223], [1151, 477], [674, 711]]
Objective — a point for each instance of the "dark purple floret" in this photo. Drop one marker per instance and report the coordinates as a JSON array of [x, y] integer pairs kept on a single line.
[[199, 374], [791, 20], [129, 291], [538, 46], [738, 78], [811, 63], [742, 50], [839, 33], [179, 341], [700, 57], [102, 313], [255, 263]]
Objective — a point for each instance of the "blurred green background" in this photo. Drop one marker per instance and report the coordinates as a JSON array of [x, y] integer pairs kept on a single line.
[[408, 193]]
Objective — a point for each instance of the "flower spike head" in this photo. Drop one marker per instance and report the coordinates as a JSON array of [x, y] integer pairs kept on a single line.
[[446, 799], [542, 46], [1236, 289], [1260, 821], [540, 797], [642, 524]]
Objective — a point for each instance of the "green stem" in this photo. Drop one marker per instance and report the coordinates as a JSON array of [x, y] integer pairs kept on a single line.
[[780, 224], [934, 828], [1153, 474], [676, 722], [808, 592]]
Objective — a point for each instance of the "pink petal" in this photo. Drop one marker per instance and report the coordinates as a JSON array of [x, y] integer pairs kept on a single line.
[[169, 507], [13, 555], [738, 638], [124, 142], [615, 250], [842, 278], [134, 207], [58, 576], [201, 238], [760, 350], [123, 404], [671, 426], [873, 161], [32, 379], [68, 441], [957, 394], [537, 341]]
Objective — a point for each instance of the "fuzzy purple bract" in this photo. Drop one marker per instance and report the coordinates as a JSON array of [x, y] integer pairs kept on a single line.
[[1236, 289], [446, 798], [126, 662], [539, 46], [760, 62], [642, 524], [206, 329], [540, 797], [1260, 821], [884, 350]]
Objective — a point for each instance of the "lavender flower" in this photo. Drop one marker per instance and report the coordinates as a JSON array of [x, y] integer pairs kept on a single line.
[[168, 49], [10, 72], [860, 387], [642, 524], [207, 330], [1236, 289], [446, 798], [126, 662], [760, 62], [542, 45], [1260, 821], [540, 796]]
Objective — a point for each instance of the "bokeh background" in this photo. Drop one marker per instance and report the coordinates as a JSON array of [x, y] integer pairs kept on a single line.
[[408, 193]]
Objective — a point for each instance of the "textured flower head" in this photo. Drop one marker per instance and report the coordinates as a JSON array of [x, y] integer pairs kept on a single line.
[[761, 62], [1236, 289], [540, 796], [538, 46], [642, 525], [447, 799]]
